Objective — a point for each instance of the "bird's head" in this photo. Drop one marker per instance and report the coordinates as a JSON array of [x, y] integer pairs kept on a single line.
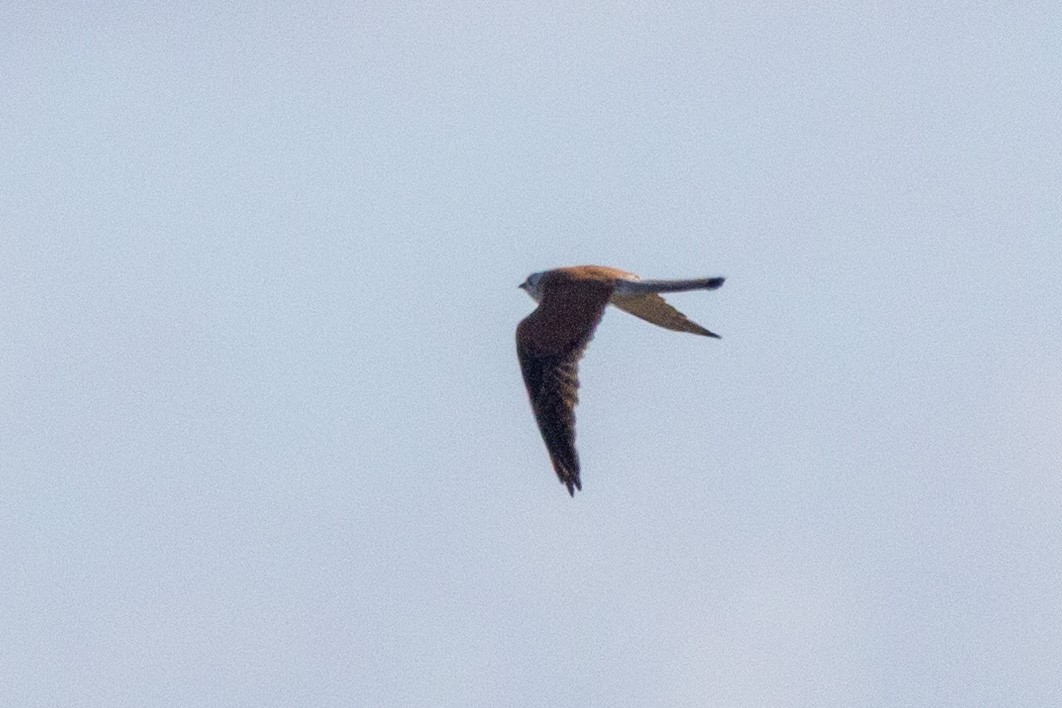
[[533, 286]]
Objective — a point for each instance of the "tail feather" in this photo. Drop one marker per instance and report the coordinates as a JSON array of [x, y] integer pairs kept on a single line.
[[667, 286], [641, 298]]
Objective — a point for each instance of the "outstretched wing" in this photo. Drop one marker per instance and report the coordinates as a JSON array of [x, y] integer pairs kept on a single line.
[[550, 342], [653, 308], [553, 400]]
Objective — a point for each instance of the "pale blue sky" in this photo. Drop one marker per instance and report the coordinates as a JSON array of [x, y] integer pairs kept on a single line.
[[263, 438]]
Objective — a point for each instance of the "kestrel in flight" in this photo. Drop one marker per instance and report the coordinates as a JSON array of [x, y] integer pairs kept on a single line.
[[551, 340]]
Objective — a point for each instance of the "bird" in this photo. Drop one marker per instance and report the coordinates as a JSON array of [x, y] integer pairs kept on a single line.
[[552, 339]]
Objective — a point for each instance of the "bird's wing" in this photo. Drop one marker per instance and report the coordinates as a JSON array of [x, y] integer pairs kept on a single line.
[[554, 405], [550, 342], [653, 308]]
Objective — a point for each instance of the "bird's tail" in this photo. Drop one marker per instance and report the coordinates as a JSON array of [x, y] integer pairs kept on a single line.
[[638, 287], [642, 299]]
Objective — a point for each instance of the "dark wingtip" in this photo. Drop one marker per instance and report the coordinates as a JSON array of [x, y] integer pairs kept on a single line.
[[714, 283], [572, 485]]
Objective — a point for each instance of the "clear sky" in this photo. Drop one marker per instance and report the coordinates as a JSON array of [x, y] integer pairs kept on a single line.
[[263, 436]]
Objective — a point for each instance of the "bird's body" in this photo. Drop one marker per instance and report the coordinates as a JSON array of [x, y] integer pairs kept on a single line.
[[551, 340]]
